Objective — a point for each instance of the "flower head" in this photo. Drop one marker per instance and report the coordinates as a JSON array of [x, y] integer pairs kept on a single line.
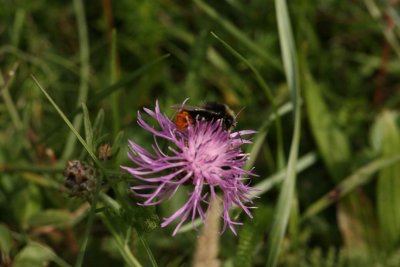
[[205, 156], [80, 178]]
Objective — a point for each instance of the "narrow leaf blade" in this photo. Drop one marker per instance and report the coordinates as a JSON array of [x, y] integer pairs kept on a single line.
[[286, 195]]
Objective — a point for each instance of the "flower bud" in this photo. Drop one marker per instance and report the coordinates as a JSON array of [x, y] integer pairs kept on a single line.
[[80, 178]]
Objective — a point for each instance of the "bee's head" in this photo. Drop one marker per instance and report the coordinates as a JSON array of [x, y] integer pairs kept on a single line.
[[229, 122]]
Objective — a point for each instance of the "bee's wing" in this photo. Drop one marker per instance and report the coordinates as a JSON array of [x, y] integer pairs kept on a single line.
[[188, 108]]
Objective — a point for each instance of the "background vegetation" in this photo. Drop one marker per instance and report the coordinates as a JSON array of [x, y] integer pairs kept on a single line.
[[332, 79]]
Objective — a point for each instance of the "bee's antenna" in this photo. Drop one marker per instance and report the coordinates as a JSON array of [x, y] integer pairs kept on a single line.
[[179, 107], [184, 102], [240, 111]]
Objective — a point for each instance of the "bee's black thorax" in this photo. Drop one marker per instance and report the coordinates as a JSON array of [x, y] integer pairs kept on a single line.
[[214, 111]]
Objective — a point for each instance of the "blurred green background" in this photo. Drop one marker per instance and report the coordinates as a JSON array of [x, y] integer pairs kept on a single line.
[[119, 56]]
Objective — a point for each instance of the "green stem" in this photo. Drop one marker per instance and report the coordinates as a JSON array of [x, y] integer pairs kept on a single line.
[[149, 253], [122, 246], [348, 185], [89, 224]]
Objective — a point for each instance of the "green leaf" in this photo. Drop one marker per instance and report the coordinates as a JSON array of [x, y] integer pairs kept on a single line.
[[98, 127], [88, 126], [5, 239], [251, 235], [56, 218], [37, 255], [324, 128], [385, 136], [335, 149], [286, 195], [25, 203], [116, 146]]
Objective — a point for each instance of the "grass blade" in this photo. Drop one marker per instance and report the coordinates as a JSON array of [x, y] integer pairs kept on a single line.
[[84, 74], [90, 152], [124, 249], [262, 134], [268, 92], [286, 195], [69, 124], [149, 253], [88, 127], [111, 89], [232, 29], [98, 125], [267, 184], [358, 178], [124, 81]]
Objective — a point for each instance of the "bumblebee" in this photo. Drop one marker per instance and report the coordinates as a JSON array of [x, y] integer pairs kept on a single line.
[[210, 111]]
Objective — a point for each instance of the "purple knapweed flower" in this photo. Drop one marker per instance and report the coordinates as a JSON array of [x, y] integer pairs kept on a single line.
[[205, 157]]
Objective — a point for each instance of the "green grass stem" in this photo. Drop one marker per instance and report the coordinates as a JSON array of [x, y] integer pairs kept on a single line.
[[84, 75]]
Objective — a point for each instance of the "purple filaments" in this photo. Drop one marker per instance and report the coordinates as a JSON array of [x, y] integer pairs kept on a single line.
[[205, 157]]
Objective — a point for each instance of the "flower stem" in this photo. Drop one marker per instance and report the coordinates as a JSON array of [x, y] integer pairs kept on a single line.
[[207, 248]]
